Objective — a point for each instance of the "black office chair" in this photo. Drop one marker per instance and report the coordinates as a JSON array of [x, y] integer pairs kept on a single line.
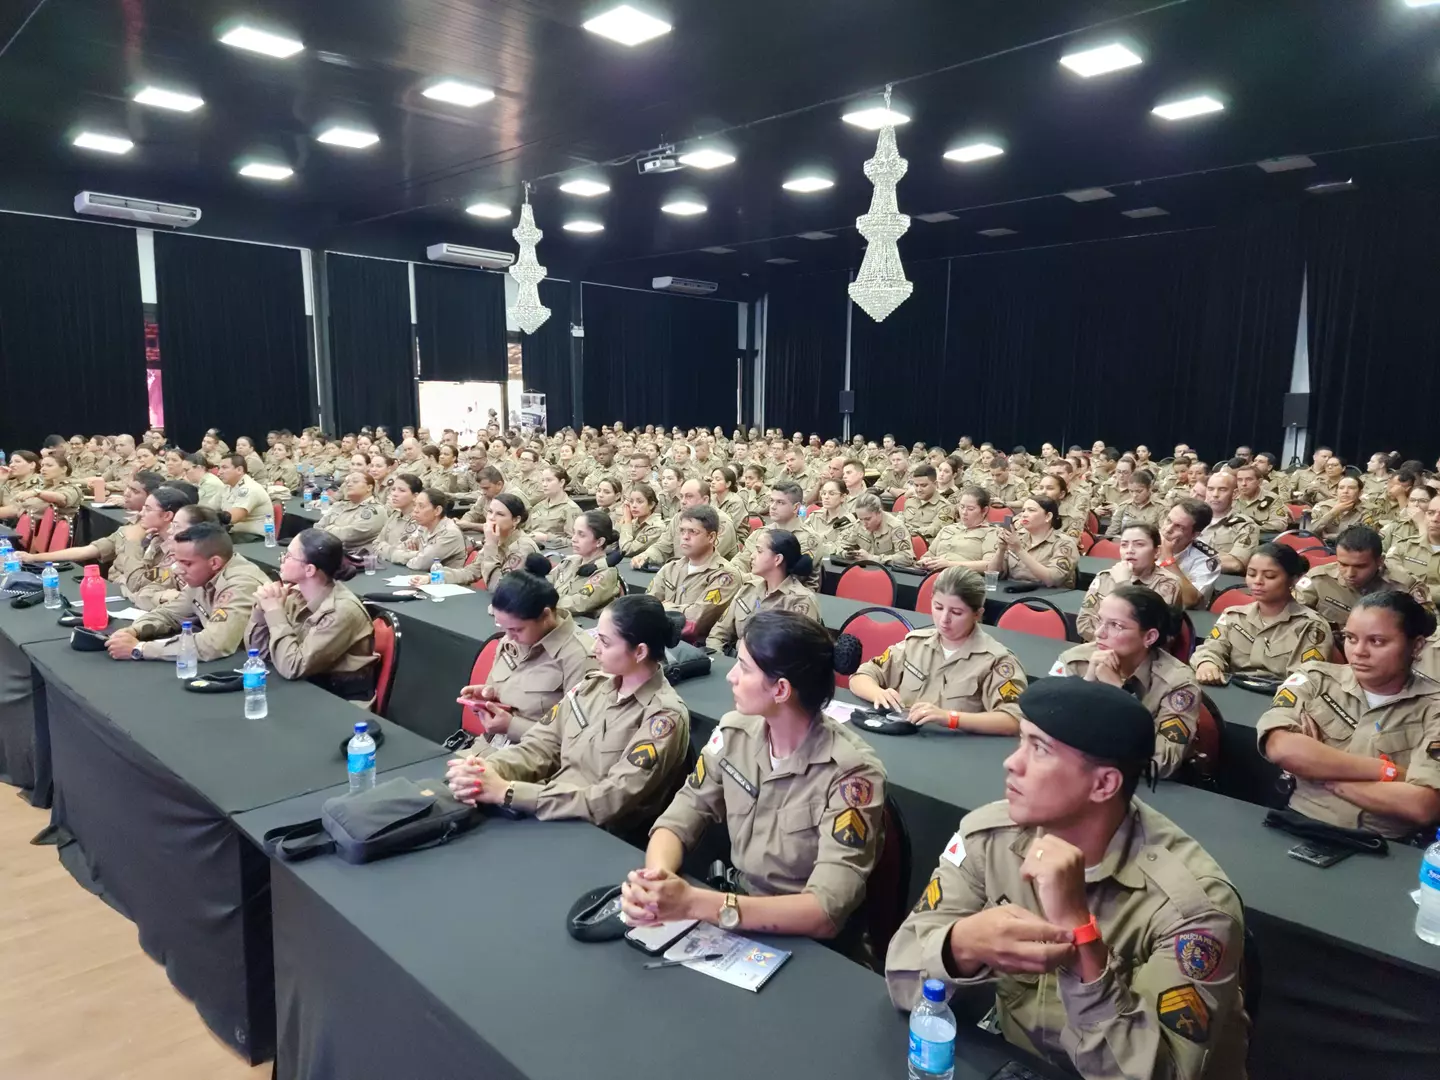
[[887, 891], [1252, 977]]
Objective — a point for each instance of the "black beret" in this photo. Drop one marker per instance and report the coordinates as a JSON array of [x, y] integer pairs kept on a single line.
[[1092, 717]]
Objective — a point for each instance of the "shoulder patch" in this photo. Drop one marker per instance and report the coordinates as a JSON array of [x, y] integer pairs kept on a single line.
[[1180, 700], [713, 596], [1295, 679], [643, 755], [857, 791], [1198, 954], [1184, 1012], [930, 898], [1312, 654], [716, 743], [1304, 583], [1009, 690], [850, 829], [1058, 668], [1432, 750], [1284, 698], [1005, 668], [661, 725], [882, 659], [954, 852], [1175, 730], [1215, 630], [697, 775]]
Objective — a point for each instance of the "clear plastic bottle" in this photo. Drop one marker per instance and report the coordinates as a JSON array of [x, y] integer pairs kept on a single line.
[[253, 672], [50, 581], [324, 501], [270, 530], [437, 573], [360, 759], [9, 558], [307, 495], [187, 660], [1427, 919], [932, 1036]]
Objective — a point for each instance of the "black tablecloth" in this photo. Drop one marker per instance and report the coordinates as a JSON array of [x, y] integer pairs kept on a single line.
[[95, 521]]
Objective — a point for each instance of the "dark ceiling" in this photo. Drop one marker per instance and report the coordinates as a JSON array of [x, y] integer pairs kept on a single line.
[[1351, 83]]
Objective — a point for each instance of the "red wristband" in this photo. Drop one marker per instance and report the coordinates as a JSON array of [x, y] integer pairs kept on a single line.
[[954, 722], [1388, 770], [1084, 935]]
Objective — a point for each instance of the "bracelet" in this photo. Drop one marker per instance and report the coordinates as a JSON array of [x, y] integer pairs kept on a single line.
[[954, 722], [1084, 935], [1388, 771], [1166, 562]]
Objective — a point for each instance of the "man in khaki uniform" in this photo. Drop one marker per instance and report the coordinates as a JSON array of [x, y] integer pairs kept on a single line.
[[1267, 510], [926, 513], [692, 493], [895, 479], [117, 474], [796, 472], [1232, 535], [1113, 939], [876, 536], [245, 500], [1333, 589], [1004, 489], [785, 499], [699, 583], [219, 595], [1419, 556]]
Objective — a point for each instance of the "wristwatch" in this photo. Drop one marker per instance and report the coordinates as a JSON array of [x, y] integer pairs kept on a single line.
[[730, 912], [137, 653], [509, 796]]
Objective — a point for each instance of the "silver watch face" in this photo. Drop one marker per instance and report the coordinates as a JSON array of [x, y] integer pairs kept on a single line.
[[729, 918]]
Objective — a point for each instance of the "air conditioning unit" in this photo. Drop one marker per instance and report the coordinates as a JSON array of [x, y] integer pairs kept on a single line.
[[468, 256], [685, 285], [94, 204]]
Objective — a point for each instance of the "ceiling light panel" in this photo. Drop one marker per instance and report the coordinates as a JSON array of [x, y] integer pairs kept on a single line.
[[352, 138], [997, 232], [259, 170], [1287, 164], [1186, 108], [106, 144], [718, 250], [168, 99], [937, 217], [876, 118], [684, 208], [1101, 60], [808, 184], [627, 25], [816, 236], [1146, 212], [1089, 194], [488, 210], [260, 41], [586, 189], [973, 152], [707, 158], [583, 226], [458, 93], [780, 261]]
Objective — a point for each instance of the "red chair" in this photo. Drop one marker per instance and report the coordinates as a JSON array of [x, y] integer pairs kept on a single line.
[[1234, 596], [479, 673], [872, 584], [1202, 762], [1182, 644], [1298, 540], [899, 504], [877, 628], [1296, 510], [1085, 542], [813, 508], [756, 524], [60, 538], [24, 532], [1092, 523], [278, 510], [999, 515], [919, 546], [387, 646], [1105, 549], [41, 540], [925, 594], [1034, 615], [1318, 556]]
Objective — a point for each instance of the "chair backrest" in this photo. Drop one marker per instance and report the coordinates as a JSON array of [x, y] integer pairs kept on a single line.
[[41, 540], [919, 546], [1104, 548], [278, 511], [1085, 542], [1182, 644], [872, 584], [925, 594], [1297, 539], [899, 503], [471, 555], [813, 508], [24, 532], [479, 673], [1204, 755], [1234, 596], [1296, 509], [60, 538], [387, 646], [1252, 977], [887, 890], [1092, 523], [1034, 615], [1000, 515], [756, 524], [877, 628], [1318, 556]]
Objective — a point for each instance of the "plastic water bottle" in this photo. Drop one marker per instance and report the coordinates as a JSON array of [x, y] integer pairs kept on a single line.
[[11, 558], [932, 1036], [1427, 919], [360, 759], [324, 501], [50, 581], [437, 573], [270, 530], [187, 660], [93, 613], [306, 496], [253, 671]]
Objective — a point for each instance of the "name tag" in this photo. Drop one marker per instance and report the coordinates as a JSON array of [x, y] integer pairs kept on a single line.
[[913, 670], [509, 659], [578, 712], [1338, 710], [739, 778]]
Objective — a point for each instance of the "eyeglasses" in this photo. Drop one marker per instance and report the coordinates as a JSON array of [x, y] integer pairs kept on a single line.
[[285, 557], [1112, 626]]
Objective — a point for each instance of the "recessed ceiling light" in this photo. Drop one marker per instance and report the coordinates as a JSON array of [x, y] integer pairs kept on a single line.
[[683, 208], [1146, 211], [259, 170], [106, 144], [1331, 187], [583, 226], [354, 138], [253, 40], [816, 236], [718, 250], [997, 232], [586, 188], [781, 261], [488, 210], [1100, 61], [459, 93], [876, 118], [1188, 107], [937, 217], [1421, 3], [808, 184], [1089, 194], [974, 152], [627, 26], [168, 99], [1294, 161], [707, 158]]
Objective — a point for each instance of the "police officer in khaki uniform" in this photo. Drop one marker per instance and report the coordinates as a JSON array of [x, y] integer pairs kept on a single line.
[[436, 538], [778, 569], [356, 520], [802, 797], [1231, 534], [895, 477], [1037, 550], [1139, 548], [21, 482], [219, 594], [554, 512], [1142, 508], [1418, 556], [308, 625], [728, 503], [612, 750], [1005, 489], [505, 546], [642, 527], [57, 491], [1114, 941], [584, 579], [784, 503], [1333, 516], [971, 541], [281, 471], [698, 583], [1333, 589], [876, 536], [1266, 509], [1361, 765], [245, 500], [692, 493], [830, 524], [926, 512]]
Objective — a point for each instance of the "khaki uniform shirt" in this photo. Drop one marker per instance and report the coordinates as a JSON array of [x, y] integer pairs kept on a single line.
[[531, 680], [220, 611], [528, 487], [828, 532], [889, 546], [336, 638], [1164, 685], [63, 511], [959, 543], [255, 467], [1244, 642], [136, 558], [1162, 580], [1328, 520], [1234, 534], [355, 525], [17, 492], [586, 594], [1326, 702], [734, 508], [1011, 493], [445, 544], [118, 473], [809, 545], [248, 495], [282, 474], [891, 481], [493, 561], [1321, 490], [1127, 514], [1300, 483], [926, 519], [753, 596], [1169, 1003], [601, 756], [1393, 532], [1419, 559], [396, 531], [638, 537], [813, 823], [552, 519], [1074, 512], [1056, 551], [980, 677], [1323, 591], [1270, 512], [701, 596], [476, 514], [668, 546]]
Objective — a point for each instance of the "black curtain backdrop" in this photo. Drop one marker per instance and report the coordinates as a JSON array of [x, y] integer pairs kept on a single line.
[[805, 353], [370, 342], [232, 338], [460, 318], [545, 355], [72, 334], [894, 364], [652, 358], [1374, 323]]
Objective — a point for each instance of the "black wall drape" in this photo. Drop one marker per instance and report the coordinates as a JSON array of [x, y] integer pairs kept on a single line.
[[460, 319], [651, 358], [72, 334], [232, 338], [545, 355], [370, 342], [805, 353], [1374, 323], [894, 364]]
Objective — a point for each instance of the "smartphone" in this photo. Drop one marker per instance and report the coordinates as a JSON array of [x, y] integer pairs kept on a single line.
[[655, 938], [1318, 853]]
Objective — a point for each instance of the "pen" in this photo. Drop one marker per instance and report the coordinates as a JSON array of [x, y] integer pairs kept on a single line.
[[676, 963]]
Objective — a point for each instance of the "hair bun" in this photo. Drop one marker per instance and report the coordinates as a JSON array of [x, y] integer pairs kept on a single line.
[[537, 564], [613, 557], [677, 628], [848, 654]]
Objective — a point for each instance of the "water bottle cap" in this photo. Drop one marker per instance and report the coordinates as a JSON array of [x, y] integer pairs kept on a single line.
[[49, 566], [186, 625], [934, 990], [253, 653], [361, 727], [92, 570]]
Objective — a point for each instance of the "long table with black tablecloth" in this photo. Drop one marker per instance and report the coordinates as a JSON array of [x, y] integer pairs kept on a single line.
[[96, 520], [147, 776]]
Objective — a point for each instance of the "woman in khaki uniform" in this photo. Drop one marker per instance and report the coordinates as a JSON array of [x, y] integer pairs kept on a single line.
[[722, 483], [1142, 509], [1139, 544], [641, 527], [1333, 516], [668, 498], [1271, 636], [254, 463], [778, 569], [830, 523], [610, 497], [56, 490], [969, 542], [612, 751], [876, 537], [504, 547], [309, 626], [443, 476], [953, 674], [436, 537], [585, 582], [1038, 550], [755, 491], [947, 475], [802, 796], [399, 526], [552, 516], [357, 519]]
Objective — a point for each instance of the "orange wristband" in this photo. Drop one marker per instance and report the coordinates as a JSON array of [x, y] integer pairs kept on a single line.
[[1084, 935], [1388, 771], [954, 722]]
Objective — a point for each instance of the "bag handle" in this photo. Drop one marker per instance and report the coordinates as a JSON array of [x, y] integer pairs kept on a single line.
[[280, 842]]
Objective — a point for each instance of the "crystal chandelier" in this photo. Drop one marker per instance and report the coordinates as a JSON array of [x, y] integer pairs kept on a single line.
[[881, 285], [528, 313]]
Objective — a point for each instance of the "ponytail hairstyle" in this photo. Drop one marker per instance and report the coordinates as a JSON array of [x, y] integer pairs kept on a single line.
[[326, 553], [1289, 560], [600, 523], [796, 648], [642, 620], [794, 561]]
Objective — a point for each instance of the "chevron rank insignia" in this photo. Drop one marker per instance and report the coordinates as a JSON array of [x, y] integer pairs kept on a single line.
[[643, 756], [850, 829], [1183, 1011], [930, 898]]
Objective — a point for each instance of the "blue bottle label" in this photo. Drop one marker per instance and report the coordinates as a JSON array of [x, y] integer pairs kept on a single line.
[[931, 1057], [359, 763], [1429, 874], [254, 680]]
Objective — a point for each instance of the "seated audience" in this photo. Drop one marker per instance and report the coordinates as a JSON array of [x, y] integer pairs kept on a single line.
[[778, 569], [1037, 551], [585, 582], [1333, 589], [971, 541], [356, 520], [1139, 550], [1418, 556], [876, 537], [698, 583], [552, 515], [926, 510]]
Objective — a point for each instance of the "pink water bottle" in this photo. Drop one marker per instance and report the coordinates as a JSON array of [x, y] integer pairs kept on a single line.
[[92, 599]]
